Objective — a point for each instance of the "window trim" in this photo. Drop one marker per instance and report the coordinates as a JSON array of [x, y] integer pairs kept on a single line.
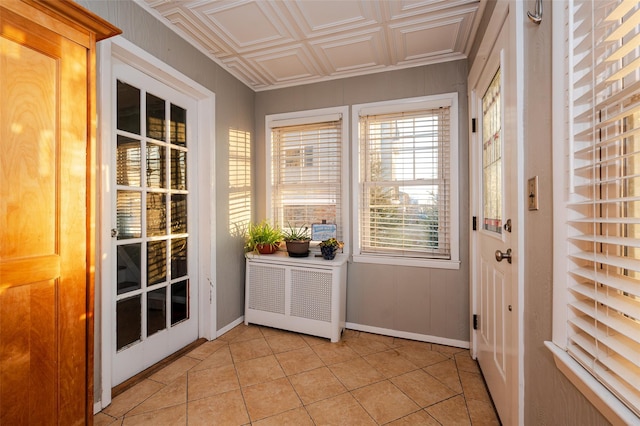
[[399, 105], [310, 117]]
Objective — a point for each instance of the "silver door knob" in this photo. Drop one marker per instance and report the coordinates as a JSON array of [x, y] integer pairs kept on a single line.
[[500, 255]]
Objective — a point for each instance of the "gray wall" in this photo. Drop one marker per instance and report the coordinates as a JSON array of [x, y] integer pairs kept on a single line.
[[234, 110], [418, 300]]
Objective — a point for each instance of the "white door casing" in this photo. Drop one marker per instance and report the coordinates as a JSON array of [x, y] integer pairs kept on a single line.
[[202, 199], [496, 285]]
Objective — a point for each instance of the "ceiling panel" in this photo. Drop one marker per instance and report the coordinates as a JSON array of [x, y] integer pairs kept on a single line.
[[270, 44]]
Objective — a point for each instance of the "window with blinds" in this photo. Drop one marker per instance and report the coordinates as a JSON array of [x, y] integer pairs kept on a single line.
[[405, 183], [239, 181], [603, 209], [306, 169]]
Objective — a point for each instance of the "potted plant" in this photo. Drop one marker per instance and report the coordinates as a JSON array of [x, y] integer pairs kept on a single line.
[[262, 238], [297, 240], [330, 247]]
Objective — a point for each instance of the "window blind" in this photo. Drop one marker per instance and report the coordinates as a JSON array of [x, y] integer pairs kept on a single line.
[[603, 65], [307, 174], [405, 196], [239, 181]]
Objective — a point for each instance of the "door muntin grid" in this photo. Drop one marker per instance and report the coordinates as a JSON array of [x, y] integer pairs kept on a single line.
[[151, 215]]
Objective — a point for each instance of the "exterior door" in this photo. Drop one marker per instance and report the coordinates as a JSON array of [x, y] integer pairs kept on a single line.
[[155, 289], [495, 270]]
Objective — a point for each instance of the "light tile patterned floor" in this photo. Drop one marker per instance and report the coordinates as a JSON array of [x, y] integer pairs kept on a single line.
[[263, 376]]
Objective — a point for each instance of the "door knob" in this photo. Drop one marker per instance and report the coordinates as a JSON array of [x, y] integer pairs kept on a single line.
[[500, 255]]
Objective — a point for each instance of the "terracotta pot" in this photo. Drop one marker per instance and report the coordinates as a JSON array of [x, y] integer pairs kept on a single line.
[[266, 248]]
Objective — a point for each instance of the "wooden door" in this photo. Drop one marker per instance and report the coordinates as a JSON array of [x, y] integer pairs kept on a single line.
[[46, 263]]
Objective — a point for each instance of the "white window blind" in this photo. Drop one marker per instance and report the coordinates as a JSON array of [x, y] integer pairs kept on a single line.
[[405, 184], [239, 181], [307, 174], [603, 309]]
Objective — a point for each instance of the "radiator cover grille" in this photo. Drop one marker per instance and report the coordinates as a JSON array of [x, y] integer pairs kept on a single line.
[[311, 295], [266, 289]]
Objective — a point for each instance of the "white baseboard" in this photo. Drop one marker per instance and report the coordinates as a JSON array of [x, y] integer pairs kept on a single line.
[[229, 326], [408, 335]]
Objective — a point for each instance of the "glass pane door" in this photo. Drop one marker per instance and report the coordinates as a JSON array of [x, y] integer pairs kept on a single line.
[[492, 189], [152, 291]]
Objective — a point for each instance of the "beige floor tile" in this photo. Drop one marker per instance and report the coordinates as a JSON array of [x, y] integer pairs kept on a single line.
[[299, 360], [421, 355], [365, 346], [284, 342], [315, 385], [261, 375], [482, 413], [447, 373], [473, 386], [295, 417], [174, 370], [223, 409], [332, 353], [132, 397], [170, 416], [206, 349], [217, 359], [390, 363], [174, 393], [313, 340], [385, 402], [419, 418], [249, 349], [450, 412], [271, 398], [422, 388], [449, 351], [102, 419], [242, 332], [464, 362], [259, 370], [212, 381], [339, 411], [356, 373]]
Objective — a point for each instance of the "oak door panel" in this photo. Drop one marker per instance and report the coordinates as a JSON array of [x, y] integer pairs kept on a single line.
[[43, 228]]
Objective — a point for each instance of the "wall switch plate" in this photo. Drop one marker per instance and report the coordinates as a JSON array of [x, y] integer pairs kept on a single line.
[[532, 193]]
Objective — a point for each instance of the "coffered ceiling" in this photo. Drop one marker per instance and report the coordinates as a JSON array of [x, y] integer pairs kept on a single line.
[[270, 44]]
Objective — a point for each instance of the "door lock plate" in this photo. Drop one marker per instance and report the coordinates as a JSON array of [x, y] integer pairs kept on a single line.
[[532, 193]]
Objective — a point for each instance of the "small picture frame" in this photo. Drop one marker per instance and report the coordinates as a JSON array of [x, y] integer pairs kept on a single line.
[[323, 231]]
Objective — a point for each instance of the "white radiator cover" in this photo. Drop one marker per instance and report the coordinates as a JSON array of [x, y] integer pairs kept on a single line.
[[305, 295]]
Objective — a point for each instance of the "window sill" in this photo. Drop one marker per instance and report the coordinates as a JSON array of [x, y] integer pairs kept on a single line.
[[404, 261], [601, 398]]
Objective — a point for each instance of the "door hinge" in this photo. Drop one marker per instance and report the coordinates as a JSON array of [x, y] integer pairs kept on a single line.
[[475, 321], [473, 125], [475, 223]]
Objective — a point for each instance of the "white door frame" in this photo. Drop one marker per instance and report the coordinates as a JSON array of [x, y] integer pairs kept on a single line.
[[516, 22], [121, 49]]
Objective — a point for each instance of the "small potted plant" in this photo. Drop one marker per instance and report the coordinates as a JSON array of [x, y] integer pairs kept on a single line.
[[330, 247], [262, 238], [297, 240]]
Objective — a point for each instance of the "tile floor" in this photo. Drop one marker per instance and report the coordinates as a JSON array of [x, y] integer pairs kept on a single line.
[[263, 376]]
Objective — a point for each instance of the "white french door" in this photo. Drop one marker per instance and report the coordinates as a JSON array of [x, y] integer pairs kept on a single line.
[[495, 205], [154, 287]]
